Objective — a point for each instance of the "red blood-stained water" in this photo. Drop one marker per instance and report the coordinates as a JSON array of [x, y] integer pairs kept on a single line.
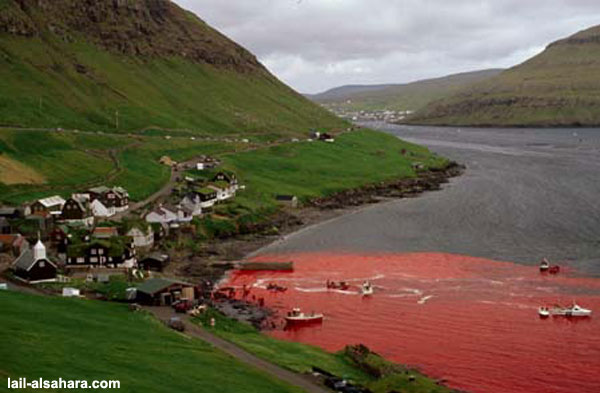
[[470, 321]]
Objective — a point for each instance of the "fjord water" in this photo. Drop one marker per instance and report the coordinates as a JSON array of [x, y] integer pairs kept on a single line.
[[455, 271]]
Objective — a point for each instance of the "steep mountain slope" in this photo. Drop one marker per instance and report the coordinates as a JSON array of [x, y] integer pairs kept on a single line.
[[401, 97], [559, 87], [130, 64]]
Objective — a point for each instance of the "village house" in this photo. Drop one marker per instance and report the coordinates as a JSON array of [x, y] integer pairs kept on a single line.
[[155, 262], [34, 266], [172, 216], [14, 244], [193, 204], [113, 253], [207, 197], [100, 210], [224, 190], [228, 177], [163, 292], [141, 233], [51, 206], [287, 200], [326, 138], [115, 199], [76, 210], [10, 213]]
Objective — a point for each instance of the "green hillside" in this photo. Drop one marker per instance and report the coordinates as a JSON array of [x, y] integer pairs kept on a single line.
[[55, 338], [401, 97], [130, 65], [559, 87]]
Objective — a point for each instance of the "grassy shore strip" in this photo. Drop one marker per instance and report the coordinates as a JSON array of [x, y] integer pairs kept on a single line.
[[301, 358], [70, 161], [90, 340]]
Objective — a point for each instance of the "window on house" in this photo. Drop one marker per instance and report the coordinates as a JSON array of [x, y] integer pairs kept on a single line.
[[101, 252], [80, 260], [94, 251], [42, 264], [94, 259]]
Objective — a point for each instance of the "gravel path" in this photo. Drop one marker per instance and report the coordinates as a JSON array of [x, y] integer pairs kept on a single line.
[[301, 381]]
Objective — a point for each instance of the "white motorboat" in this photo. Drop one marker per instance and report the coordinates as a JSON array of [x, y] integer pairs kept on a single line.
[[572, 311], [296, 316], [544, 265], [366, 289]]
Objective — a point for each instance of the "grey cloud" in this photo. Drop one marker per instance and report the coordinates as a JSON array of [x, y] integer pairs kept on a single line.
[[318, 44]]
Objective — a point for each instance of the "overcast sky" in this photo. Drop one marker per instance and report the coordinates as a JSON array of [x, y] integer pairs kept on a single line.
[[314, 45]]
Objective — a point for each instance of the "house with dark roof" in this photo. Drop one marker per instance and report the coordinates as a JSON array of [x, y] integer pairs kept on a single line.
[[77, 210], [10, 212], [226, 176], [34, 266], [155, 262], [115, 199], [117, 252], [51, 206], [164, 291]]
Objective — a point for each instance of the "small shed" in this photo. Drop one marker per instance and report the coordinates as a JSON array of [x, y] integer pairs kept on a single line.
[[155, 262], [164, 291], [287, 200]]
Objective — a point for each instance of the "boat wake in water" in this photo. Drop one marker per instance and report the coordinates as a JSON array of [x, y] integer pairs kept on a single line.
[[471, 321]]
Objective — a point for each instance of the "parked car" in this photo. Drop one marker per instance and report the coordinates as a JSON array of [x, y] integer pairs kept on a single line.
[[183, 306]]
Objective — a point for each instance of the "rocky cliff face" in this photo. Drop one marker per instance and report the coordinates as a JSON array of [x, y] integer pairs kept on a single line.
[[145, 28]]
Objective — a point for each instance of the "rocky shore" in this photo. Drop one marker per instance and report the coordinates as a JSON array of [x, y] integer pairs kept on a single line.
[[216, 258]]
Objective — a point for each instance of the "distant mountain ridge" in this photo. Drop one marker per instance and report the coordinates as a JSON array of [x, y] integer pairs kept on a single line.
[[407, 96], [558, 87], [75, 63]]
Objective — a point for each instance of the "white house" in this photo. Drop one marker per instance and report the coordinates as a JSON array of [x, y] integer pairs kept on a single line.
[[224, 190], [100, 210], [142, 237], [193, 204], [169, 216]]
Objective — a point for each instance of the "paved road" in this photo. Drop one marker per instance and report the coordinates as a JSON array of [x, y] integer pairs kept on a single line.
[[526, 194], [165, 313]]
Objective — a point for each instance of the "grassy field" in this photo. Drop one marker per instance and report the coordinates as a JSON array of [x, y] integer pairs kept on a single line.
[[410, 96], [70, 162], [318, 169], [558, 87], [55, 338], [41, 87], [301, 358]]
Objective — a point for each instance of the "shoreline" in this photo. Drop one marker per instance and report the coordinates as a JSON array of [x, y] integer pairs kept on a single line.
[[219, 257]]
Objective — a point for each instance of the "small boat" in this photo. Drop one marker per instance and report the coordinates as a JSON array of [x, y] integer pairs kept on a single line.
[[366, 289], [572, 311], [544, 265], [275, 288], [296, 316], [342, 285]]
